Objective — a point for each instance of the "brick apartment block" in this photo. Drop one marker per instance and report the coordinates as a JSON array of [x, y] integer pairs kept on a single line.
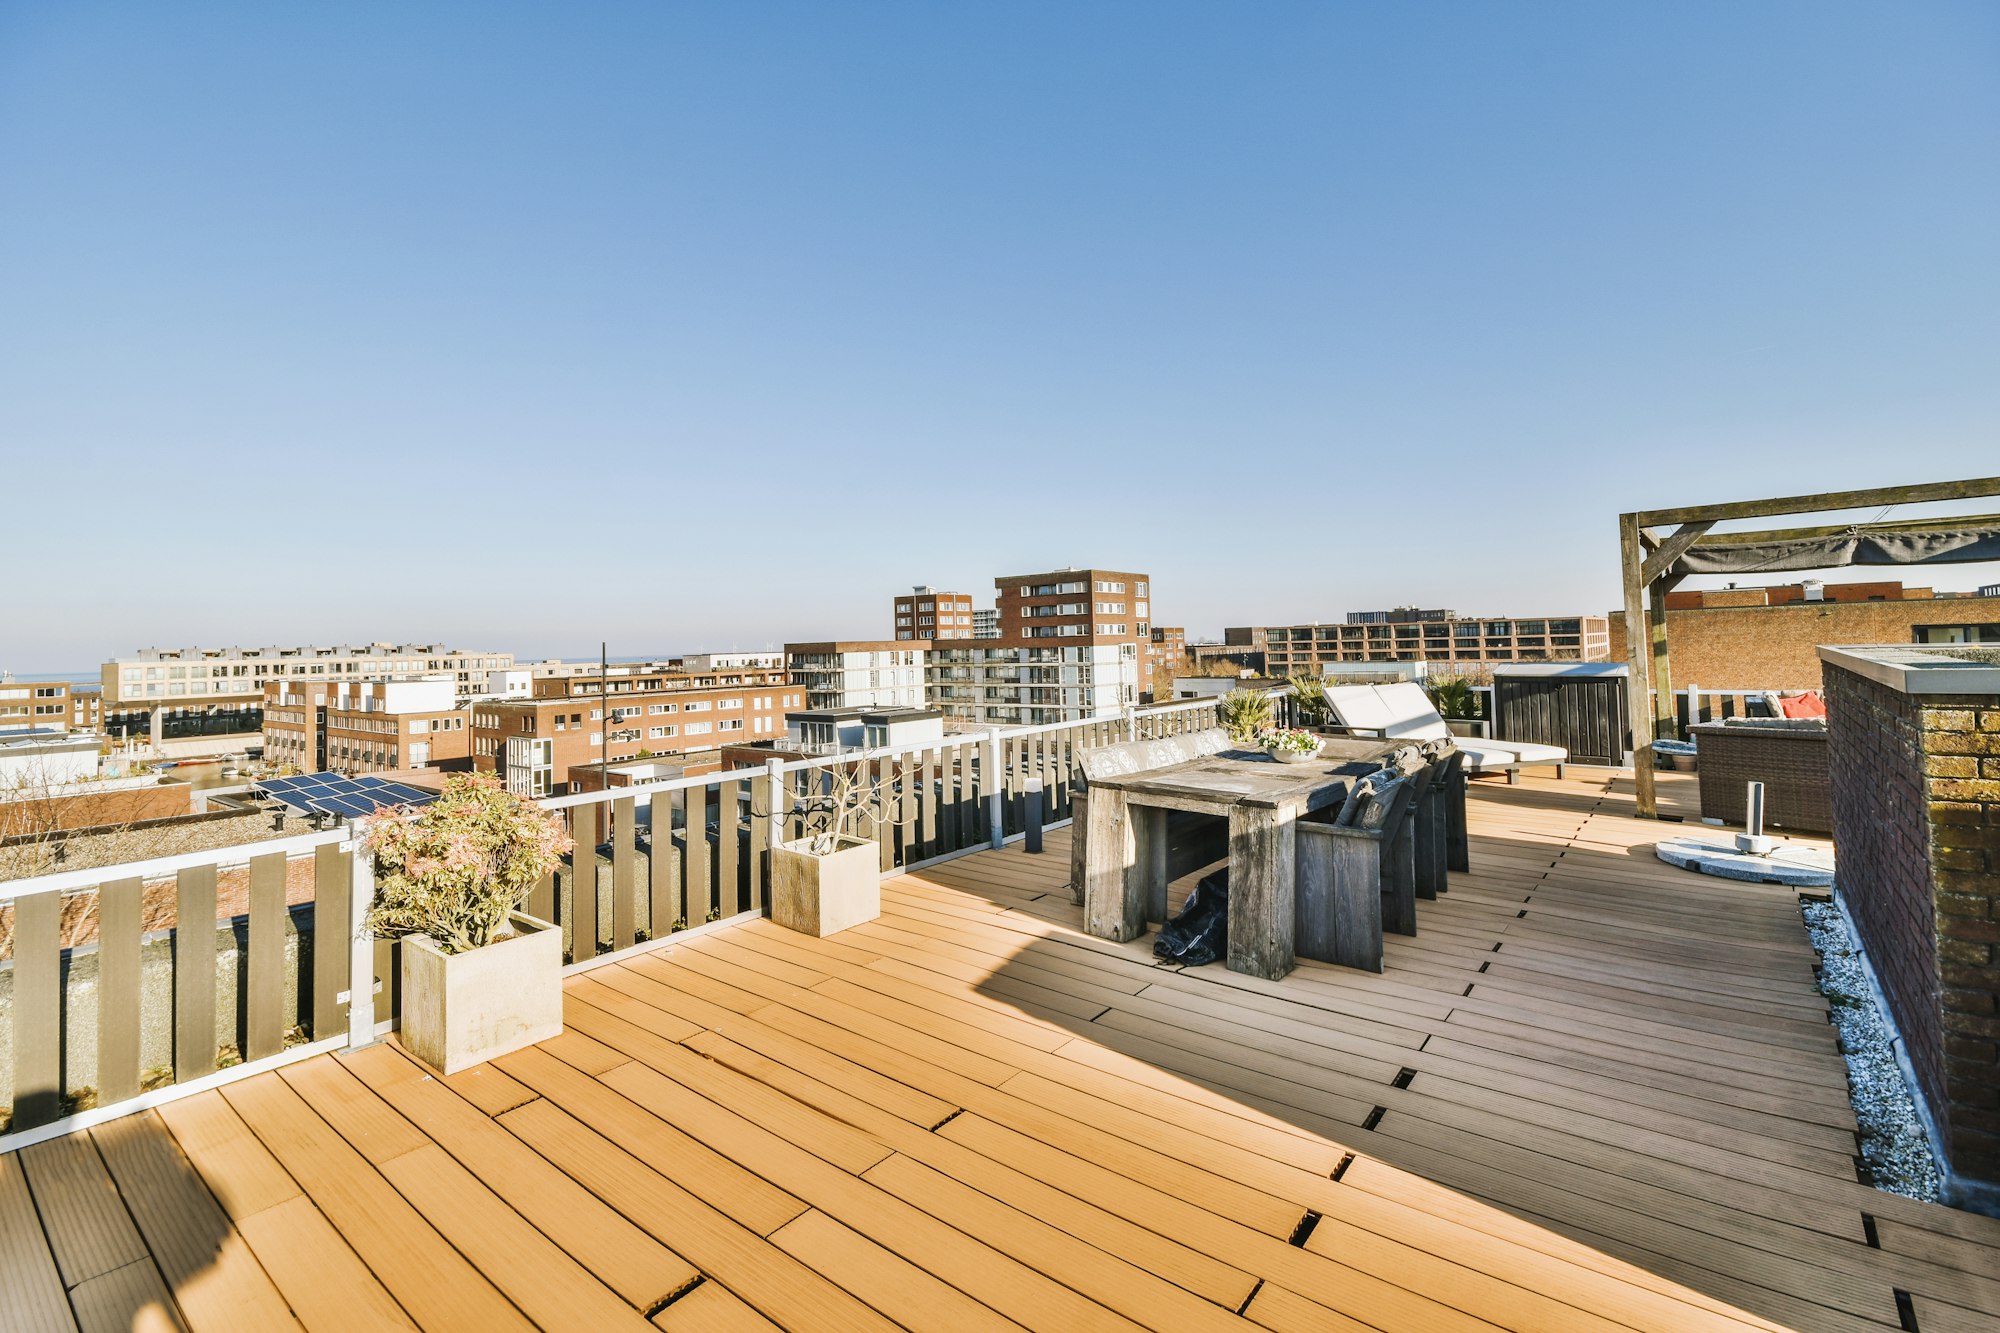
[[1769, 638], [575, 720]]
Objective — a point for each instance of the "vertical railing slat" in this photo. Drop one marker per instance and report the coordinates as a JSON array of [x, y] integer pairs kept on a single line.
[[907, 768], [761, 799], [665, 868], [333, 891], [542, 898], [120, 925], [37, 1010], [695, 880], [194, 973], [624, 873], [729, 849], [264, 1003], [583, 883], [928, 801]]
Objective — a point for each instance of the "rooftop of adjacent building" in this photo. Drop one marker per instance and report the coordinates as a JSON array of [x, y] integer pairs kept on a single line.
[[305, 650]]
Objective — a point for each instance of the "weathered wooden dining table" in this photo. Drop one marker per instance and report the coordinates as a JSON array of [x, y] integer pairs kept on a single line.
[[1125, 858]]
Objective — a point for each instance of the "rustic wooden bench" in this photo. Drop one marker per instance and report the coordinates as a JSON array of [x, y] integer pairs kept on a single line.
[[1193, 840]]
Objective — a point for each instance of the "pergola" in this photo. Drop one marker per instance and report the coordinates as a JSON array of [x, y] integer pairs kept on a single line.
[[1655, 562]]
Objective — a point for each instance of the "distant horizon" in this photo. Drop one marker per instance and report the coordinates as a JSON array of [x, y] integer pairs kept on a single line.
[[1970, 580]]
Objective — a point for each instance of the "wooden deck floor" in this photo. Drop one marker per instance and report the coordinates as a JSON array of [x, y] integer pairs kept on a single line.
[[1593, 1093]]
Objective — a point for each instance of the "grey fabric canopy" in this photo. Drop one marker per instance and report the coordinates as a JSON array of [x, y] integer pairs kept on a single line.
[[1947, 542]]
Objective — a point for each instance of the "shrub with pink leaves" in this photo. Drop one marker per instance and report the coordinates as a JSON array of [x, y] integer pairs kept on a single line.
[[455, 868]]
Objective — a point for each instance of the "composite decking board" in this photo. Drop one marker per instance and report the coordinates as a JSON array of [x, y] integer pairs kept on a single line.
[[1177, 1273], [83, 1215], [330, 1288], [711, 1308], [771, 1280], [31, 1286], [427, 1276], [132, 1298], [214, 1276], [630, 1262]]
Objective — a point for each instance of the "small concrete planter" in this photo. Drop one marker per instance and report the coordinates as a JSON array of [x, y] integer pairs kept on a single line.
[[821, 893], [462, 1009]]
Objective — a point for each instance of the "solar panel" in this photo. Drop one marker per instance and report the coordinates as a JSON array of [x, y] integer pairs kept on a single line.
[[337, 794]]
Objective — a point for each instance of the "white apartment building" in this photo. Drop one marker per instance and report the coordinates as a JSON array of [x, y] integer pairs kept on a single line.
[[173, 692], [871, 674]]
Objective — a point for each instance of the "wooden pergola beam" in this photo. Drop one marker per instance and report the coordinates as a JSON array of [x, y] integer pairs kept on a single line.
[[1646, 564], [1824, 502], [1673, 548]]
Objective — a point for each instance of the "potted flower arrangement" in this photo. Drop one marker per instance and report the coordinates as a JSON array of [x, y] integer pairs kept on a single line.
[[480, 977], [1291, 745], [831, 878]]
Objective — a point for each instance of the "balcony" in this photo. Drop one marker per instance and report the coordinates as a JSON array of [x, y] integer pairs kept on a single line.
[[1592, 1093]]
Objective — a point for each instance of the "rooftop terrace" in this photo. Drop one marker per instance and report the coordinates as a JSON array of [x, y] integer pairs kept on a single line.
[[1593, 1093]]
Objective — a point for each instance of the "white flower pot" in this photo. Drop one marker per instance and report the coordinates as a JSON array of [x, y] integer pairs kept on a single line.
[[462, 1009], [819, 893]]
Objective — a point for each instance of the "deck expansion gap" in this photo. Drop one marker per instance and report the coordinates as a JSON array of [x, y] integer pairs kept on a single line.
[[1467, 991], [675, 1295], [948, 1119], [1862, 1173], [1346, 1160], [1375, 1117], [1251, 1297], [1303, 1231], [1906, 1311], [1403, 1076], [1868, 1230], [1101, 1012], [1483, 966], [1518, 915]]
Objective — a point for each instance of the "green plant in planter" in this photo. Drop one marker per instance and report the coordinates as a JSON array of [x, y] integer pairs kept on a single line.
[[455, 868], [1453, 697], [1309, 708], [1244, 713]]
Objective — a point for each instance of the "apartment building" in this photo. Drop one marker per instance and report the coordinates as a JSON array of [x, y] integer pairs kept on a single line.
[[1294, 650], [1069, 646], [926, 613], [49, 705], [573, 721], [986, 623], [1166, 657], [176, 692], [365, 726], [860, 673]]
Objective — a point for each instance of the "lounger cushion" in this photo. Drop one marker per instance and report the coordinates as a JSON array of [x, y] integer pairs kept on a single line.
[[1358, 708], [1411, 714], [1484, 756]]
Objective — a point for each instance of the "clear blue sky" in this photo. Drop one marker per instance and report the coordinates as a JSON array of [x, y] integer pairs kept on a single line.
[[714, 325]]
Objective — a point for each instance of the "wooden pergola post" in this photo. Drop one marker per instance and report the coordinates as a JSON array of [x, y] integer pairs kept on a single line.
[[1647, 562]]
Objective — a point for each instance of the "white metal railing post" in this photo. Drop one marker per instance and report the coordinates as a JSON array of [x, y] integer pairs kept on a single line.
[[361, 945], [1694, 703], [1131, 723], [989, 759], [775, 802]]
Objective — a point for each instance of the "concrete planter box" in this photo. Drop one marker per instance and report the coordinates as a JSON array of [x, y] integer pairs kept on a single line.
[[821, 893], [462, 1009]]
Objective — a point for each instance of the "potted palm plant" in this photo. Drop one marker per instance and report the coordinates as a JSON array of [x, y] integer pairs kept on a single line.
[[831, 878], [1245, 713], [480, 976]]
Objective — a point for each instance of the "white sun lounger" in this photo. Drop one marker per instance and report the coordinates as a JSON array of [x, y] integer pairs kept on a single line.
[[1403, 711]]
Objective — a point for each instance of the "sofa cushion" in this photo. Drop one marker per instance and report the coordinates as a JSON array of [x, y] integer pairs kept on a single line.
[[1411, 714]]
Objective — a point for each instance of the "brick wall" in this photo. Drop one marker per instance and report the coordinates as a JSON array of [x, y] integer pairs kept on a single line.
[[1916, 813], [1775, 647]]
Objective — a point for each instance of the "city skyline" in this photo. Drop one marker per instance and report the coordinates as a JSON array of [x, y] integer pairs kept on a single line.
[[764, 317]]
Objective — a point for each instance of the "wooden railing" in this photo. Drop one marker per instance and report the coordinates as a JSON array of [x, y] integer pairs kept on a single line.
[[130, 984]]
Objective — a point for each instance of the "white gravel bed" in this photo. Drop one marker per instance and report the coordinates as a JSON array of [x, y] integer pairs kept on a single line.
[[1893, 1143]]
